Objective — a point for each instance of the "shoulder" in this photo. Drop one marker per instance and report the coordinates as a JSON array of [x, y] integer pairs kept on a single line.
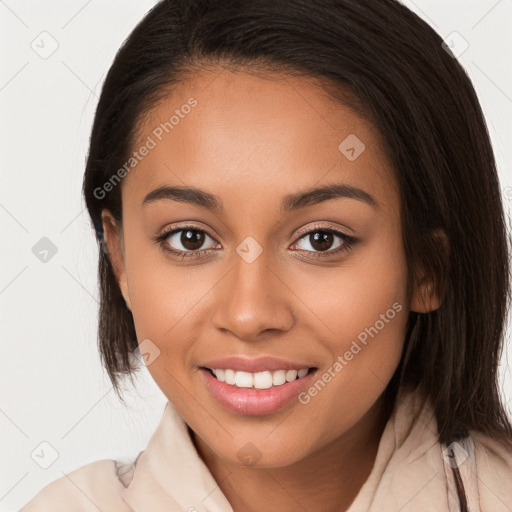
[[92, 487], [494, 472]]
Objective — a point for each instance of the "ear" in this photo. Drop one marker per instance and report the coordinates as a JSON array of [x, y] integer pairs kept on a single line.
[[425, 297], [114, 244]]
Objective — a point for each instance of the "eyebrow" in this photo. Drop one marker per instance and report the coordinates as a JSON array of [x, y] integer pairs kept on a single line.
[[290, 202]]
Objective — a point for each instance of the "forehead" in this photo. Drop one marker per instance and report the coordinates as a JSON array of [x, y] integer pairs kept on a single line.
[[252, 136]]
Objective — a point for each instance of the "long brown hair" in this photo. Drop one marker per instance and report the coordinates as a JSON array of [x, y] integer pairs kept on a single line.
[[393, 69]]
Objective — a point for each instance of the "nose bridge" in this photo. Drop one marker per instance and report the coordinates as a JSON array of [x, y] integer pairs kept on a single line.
[[252, 299]]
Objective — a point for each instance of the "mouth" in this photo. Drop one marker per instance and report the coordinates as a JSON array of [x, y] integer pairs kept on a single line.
[[265, 379], [260, 393]]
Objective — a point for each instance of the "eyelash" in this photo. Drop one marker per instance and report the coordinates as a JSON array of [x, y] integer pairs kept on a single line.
[[348, 244]]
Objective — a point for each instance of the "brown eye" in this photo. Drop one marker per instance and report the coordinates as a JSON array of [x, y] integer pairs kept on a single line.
[[192, 239], [321, 240], [186, 240], [322, 243]]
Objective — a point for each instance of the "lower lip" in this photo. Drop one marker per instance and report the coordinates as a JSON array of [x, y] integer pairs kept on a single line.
[[251, 401]]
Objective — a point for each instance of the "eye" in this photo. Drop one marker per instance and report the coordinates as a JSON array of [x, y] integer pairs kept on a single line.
[[185, 242], [320, 242]]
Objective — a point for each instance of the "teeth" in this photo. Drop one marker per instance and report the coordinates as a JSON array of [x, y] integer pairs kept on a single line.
[[243, 379], [229, 377], [291, 375], [279, 377], [262, 380], [259, 380]]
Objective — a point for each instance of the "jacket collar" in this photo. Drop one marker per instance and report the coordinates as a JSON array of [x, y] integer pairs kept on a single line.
[[170, 475], [410, 472]]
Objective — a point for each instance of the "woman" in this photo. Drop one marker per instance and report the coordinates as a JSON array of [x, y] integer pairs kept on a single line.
[[302, 238]]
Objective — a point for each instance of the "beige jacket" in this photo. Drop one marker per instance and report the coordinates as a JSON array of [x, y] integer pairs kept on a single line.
[[411, 473]]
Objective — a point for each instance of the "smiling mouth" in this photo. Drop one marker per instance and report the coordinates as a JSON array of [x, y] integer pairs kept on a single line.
[[259, 380]]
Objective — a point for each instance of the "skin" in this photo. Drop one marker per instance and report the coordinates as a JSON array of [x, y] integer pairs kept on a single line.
[[251, 141]]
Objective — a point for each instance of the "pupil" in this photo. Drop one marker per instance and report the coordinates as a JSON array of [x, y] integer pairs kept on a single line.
[[322, 240], [191, 239]]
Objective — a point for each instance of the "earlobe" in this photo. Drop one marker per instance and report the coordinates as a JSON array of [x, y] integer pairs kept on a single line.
[[113, 243], [426, 296]]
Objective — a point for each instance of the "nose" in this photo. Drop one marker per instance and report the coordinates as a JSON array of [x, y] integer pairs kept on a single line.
[[253, 300]]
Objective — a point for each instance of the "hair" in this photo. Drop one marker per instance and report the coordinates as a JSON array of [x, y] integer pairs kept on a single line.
[[392, 68]]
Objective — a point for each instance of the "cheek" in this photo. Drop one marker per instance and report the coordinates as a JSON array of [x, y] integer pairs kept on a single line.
[[363, 304], [158, 300], [160, 293], [353, 296], [168, 307]]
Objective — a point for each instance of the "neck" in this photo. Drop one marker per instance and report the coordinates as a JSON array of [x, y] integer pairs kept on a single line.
[[312, 483]]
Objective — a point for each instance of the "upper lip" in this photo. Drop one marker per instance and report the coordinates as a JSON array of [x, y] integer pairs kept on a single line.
[[253, 365]]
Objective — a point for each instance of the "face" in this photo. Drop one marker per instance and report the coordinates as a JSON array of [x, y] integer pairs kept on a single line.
[[252, 274]]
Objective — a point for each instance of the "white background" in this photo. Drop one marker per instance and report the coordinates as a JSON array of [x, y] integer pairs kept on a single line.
[[52, 385]]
